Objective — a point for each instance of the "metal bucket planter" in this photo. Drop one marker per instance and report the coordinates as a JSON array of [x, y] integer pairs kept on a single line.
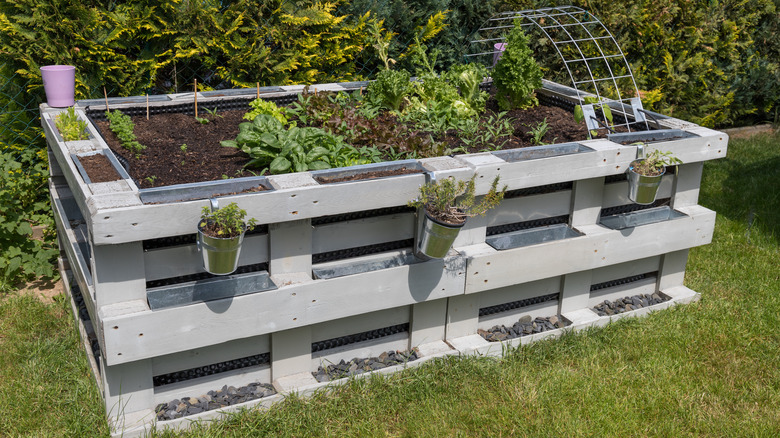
[[436, 238], [642, 188], [220, 255]]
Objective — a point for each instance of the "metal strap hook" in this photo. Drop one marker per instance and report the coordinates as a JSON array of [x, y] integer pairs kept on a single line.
[[214, 204]]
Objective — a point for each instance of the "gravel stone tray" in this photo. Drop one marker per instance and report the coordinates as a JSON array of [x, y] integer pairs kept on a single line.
[[228, 395], [628, 304], [359, 366], [523, 327]]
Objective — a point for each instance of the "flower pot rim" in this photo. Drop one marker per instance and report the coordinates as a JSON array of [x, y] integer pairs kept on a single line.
[[631, 169], [201, 223], [446, 224], [58, 67]]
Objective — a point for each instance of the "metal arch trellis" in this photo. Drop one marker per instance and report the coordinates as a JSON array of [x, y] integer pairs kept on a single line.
[[593, 61]]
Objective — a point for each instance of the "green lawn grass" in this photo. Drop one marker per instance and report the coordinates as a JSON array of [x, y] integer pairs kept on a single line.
[[707, 369]]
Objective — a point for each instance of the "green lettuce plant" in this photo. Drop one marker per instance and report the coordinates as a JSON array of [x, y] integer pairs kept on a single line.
[[70, 126]]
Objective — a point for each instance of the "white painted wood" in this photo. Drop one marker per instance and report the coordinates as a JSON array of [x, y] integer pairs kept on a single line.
[[434, 349], [176, 261], [686, 187], [644, 286], [290, 247], [526, 208], [575, 290], [586, 202], [607, 159], [54, 167], [467, 343], [119, 273], [222, 352], [627, 269], [597, 248], [128, 391], [76, 261], [428, 322], [202, 385], [66, 166], [162, 220], [290, 306], [474, 231], [617, 193], [290, 352], [294, 382], [85, 329], [362, 232], [360, 323], [672, 271], [710, 146], [682, 295], [462, 316]]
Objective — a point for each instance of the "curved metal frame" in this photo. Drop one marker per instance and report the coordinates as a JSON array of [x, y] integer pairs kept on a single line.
[[563, 18]]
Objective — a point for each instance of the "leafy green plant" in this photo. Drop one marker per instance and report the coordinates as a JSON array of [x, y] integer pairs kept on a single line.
[[295, 149], [202, 120], [491, 134], [122, 125], [579, 115], [654, 163], [183, 148], [70, 126], [517, 74], [151, 179], [453, 201], [225, 222], [390, 89], [538, 132], [213, 112], [262, 106], [22, 258], [468, 77]]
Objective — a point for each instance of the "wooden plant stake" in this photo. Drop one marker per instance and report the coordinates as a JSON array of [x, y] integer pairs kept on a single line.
[[105, 95], [258, 90], [147, 106], [196, 98]]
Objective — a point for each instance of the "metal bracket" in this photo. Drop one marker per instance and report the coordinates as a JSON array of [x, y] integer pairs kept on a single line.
[[640, 151], [591, 122], [214, 204], [639, 111]]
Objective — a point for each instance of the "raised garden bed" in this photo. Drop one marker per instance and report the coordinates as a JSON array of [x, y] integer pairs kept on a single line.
[[335, 256]]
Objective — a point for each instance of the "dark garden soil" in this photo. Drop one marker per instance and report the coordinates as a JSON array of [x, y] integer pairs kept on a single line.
[[182, 150], [99, 168]]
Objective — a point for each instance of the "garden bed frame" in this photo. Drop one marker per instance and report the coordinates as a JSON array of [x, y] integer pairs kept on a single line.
[[339, 257]]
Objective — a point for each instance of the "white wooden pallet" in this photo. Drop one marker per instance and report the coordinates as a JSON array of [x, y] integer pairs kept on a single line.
[[102, 229]]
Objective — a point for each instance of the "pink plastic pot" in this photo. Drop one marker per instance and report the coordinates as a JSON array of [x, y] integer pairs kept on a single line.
[[497, 52], [59, 82]]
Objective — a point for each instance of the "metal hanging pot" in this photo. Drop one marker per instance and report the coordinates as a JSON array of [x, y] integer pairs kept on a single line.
[[642, 189], [220, 255], [436, 237]]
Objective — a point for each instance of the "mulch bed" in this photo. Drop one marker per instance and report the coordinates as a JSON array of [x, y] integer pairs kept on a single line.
[[182, 150]]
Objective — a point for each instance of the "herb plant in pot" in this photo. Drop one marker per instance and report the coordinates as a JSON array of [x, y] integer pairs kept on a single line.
[[220, 235], [447, 205], [644, 175]]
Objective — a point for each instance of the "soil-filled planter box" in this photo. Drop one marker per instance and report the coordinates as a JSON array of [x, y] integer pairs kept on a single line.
[[330, 272]]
